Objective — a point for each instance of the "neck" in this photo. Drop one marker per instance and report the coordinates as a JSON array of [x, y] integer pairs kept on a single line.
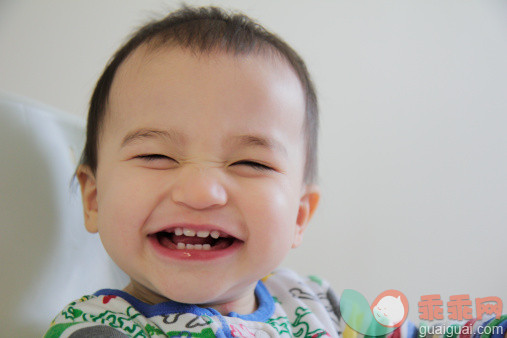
[[242, 305]]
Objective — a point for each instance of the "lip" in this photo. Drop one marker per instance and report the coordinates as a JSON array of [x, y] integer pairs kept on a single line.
[[191, 254]]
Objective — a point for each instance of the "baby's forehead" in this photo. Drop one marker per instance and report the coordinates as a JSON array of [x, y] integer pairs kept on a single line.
[[148, 52], [162, 70], [186, 65]]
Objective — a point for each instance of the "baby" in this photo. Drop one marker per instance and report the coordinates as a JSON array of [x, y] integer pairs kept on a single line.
[[199, 176]]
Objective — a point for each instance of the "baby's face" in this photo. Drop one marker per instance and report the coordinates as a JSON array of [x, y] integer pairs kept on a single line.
[[195, 147]]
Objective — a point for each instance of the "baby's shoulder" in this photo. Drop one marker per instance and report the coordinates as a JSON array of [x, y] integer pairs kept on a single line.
[[285, 280], [92, 315], [301, 299]]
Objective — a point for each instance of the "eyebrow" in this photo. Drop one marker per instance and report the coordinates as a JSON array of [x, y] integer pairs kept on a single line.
[[145, 133], [260, 141], [241, 140]]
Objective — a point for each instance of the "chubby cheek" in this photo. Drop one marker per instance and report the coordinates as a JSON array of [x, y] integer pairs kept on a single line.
[[271, 220], [123, 209]]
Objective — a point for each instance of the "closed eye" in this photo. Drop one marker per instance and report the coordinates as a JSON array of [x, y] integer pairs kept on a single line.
[[253, 164], [156, 161], [151, 157]]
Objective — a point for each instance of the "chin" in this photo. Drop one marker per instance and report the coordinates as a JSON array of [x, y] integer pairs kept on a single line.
[[204, 293], [189, 293]]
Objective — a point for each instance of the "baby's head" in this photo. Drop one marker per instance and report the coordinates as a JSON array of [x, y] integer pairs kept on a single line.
[[200, 160]]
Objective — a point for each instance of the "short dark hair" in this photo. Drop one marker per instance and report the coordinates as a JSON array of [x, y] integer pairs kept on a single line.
[[204, 29]]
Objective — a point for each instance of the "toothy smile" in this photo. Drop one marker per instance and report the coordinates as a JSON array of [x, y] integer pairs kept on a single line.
[[181, 238]]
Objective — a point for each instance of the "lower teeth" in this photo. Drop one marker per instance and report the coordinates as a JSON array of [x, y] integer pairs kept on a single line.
[[193, 246]]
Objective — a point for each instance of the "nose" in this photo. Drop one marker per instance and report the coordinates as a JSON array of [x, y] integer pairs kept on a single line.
[[199, 188]]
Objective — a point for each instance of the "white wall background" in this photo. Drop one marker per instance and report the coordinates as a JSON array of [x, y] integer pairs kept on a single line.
[[414, 116]]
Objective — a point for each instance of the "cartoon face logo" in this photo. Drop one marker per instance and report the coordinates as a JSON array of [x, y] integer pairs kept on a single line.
[[390, 308], [387, 312]]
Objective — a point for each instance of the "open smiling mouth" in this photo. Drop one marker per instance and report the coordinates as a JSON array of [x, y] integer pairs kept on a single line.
[[188, 239]]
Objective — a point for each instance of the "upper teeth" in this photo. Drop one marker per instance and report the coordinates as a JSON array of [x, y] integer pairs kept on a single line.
[[188, 232], [201, 233]]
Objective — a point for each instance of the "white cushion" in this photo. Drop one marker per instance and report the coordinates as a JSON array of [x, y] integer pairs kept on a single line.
[[47, 257]]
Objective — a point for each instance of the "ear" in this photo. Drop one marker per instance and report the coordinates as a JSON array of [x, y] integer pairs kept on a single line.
[[89, 197], [307, 206]]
